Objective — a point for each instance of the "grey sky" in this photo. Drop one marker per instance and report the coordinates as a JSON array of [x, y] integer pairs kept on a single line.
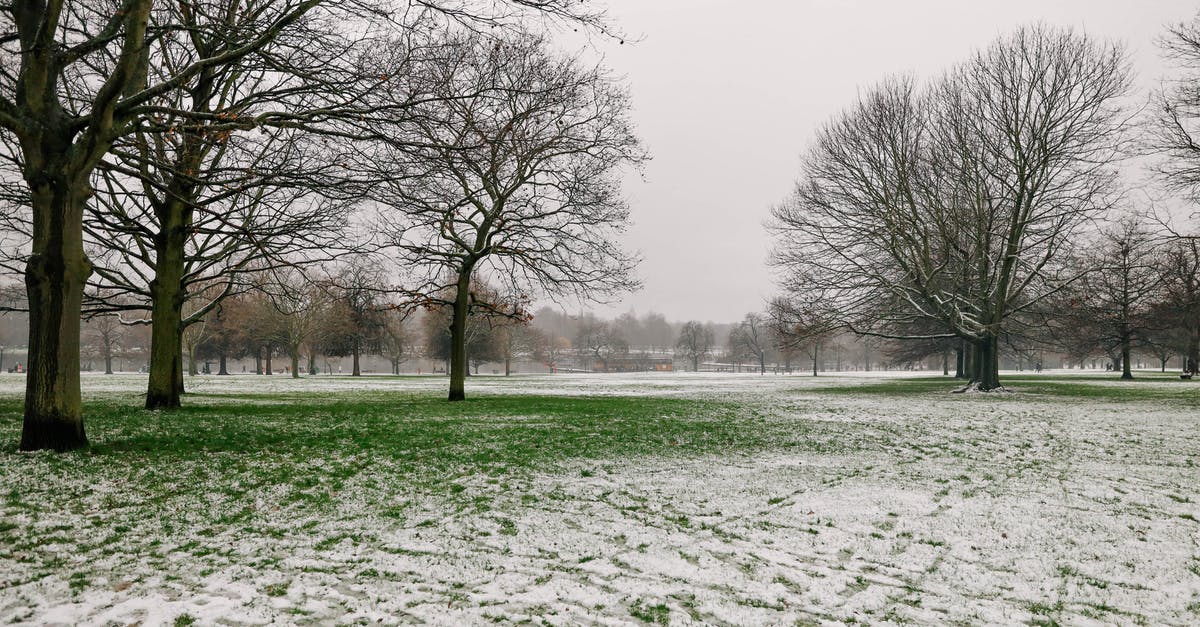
[[727, 95]]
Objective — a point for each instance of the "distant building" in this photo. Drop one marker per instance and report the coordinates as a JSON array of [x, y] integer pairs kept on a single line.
[[635, 363]]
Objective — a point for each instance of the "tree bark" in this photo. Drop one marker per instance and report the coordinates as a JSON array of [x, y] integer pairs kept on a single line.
[[268, 369], [1194, 347], [295, 363], [987, 363], [223, 366], [54, 279], [356, 369], [458, 336]]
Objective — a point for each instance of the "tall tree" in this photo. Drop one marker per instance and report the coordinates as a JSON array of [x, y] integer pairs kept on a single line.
[[960, 202], [751, 337], [513, 176], [1117, 297], [695, 342]]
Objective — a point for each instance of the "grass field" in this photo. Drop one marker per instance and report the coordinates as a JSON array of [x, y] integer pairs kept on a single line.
[[723, 499]]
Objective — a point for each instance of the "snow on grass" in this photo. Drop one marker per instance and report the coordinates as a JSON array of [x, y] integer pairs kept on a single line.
[[588, 499]]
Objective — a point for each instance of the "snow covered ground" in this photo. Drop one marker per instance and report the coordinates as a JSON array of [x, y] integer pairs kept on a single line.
[[926, 508]]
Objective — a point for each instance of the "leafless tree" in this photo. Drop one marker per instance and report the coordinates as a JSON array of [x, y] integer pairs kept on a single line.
[[959, 202], [1118, 296], [752, 337], [1181, 276], [599, 340], [512, 176], [74, 78], [1175, 129], [695, 342], [105, 335]]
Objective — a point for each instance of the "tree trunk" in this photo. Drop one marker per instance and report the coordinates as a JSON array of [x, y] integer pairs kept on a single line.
[[695, 364], [815, 354], [987, 363], [312, 363], [108, 362], [1193, 353], [960, 371], [945, 362], [268, 369], [54, 278], [507, 363], [356, 369], [1126, 367], [762, 364], [223, 366], [258, 365], [295, 363], [167, 296], [458, 336], [192, 370]]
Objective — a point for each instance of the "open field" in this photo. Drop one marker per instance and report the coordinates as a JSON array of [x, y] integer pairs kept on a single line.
[[717, 499]]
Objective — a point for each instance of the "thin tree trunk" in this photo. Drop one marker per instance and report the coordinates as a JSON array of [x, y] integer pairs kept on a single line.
[[458, 336], [268, 369], [258, 364], [295, 363], [356, 369], [1193, 353], [222, 368], [1126, 367]]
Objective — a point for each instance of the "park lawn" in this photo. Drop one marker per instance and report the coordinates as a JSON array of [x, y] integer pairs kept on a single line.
[[661, 499]]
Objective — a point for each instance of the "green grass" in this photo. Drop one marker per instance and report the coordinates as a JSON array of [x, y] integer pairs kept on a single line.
[[417, 430]]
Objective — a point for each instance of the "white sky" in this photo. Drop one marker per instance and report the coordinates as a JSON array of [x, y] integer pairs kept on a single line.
[[727, 95]]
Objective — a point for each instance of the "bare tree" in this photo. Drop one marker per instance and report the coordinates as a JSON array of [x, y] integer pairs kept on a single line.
[[396, 342], [959, 202], [1181, 275], [512, 176], [1175, 128], [600, 340], [695, 342], [1118, 296], [105, 334], [751, 337]]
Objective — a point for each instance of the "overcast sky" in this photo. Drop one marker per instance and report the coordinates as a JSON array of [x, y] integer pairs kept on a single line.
[[728, 94]]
